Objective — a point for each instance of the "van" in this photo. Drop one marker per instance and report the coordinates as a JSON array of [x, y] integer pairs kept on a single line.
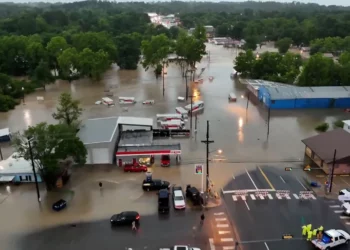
[[232, 97], [196, 106]]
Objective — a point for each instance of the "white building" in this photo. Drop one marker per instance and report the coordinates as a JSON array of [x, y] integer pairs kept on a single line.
[[101, 136], [347, 125], [17, 169]]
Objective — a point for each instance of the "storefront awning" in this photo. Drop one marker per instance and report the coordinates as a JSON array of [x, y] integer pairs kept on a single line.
[[7, 178], [167, 149]]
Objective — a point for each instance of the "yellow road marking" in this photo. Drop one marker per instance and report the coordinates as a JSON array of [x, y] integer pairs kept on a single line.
[[267, 179]]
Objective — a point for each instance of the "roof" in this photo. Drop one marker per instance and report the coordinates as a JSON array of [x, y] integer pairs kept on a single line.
[[324, 144], [15, 165], [333, 233], [98, 130], [4, 132], [139, 138], [347, 122], [136, 121]]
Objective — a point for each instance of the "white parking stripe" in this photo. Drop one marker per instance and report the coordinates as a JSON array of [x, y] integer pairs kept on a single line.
[[224, 232], [211, 243], [222, 225], [243, 197], [247, 205], [234, 197], [338, 211], [228, 248], [344, 217], [261, 197], [226, 239], [221, 213], [278, 196], [220, 219], [347, 223], [296, 196], [301, 183], [251, 179], [252, 196], [333, 206], [270, 196]]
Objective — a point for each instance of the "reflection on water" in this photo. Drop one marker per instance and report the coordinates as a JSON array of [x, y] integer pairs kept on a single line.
[[240, 131], [27, 117]]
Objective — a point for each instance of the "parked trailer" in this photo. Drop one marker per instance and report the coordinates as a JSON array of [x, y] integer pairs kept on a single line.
[[169, 117], [182, 111], [196, 106], [127, 100]]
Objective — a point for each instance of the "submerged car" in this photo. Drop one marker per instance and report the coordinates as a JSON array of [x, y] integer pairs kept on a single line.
[[125, 218], [59, 205]]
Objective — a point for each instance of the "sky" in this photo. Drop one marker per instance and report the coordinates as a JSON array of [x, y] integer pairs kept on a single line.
[[321, 2]]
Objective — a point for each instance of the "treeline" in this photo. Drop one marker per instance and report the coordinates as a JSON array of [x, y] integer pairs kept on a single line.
[[289, 68], [334, 45]]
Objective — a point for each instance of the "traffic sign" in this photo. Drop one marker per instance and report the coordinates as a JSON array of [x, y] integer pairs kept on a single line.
[[198, 168], [287, 236]]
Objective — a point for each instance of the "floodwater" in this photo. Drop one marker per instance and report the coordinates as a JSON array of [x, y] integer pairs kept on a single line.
[[241, 134]]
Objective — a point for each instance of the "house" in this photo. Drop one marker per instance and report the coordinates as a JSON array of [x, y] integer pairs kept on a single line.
[[326, 149], [17, 169], [346, 126]]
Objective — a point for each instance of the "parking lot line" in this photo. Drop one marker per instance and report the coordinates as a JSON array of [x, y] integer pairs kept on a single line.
[[222, 225], [252, 196], [267, 179], [247, 205], [220, 219], [267, 247], [344, 217], [228, 248], [347, 223], [296, 196], [338, 211], [333, 206], [211, 243], [226, 239], [221, 213], [251, 179], [345, 181], [224, 232], [301, 183], [282, 179]]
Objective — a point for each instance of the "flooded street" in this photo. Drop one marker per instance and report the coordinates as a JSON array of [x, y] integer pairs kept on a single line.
[[240, 133]]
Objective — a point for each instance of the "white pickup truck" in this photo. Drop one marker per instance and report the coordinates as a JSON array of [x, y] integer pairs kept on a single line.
[[332, 238], [181, 247]]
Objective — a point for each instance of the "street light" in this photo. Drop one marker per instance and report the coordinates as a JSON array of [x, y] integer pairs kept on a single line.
[[23, 96]]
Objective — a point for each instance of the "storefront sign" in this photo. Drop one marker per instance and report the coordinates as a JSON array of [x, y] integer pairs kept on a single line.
[[198, 168]]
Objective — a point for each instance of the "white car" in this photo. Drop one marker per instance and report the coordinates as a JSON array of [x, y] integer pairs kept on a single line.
[[178, 198], [346, 208], [332, 238], [344, 195], [178, 247]]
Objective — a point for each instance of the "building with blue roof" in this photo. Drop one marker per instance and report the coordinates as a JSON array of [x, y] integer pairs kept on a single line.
[[283, 96]]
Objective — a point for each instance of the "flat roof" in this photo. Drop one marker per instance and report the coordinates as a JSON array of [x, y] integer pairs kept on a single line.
[[4, 132], [135, 138], [347, 122], [98, 130], [324, 144], [152, 147], [15, 165], [135, 121]]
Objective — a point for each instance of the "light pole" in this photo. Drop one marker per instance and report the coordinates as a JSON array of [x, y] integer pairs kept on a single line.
[[23, 96]]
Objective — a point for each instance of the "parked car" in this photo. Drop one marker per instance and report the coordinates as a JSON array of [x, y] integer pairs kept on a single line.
[[178, 198], [332, 238], [155, 184], [344, 195], [194, 195], [125, 218], [163, 201], [135, 167], [59, 205], [165, 161]]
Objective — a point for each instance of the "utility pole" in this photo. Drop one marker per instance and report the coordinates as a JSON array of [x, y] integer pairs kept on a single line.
[[207, 142], [268, 122], [163, 78], [248, 97], [186, 85], [35, 177], [195, 123], [332, 173]]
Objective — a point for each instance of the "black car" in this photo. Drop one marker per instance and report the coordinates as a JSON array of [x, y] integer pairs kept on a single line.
[[125, 218], [163, 201], [59, 205], [155, 184], [194, 195]]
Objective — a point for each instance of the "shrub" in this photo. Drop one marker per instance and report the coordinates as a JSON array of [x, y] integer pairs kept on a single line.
[[7, 103], [322, 127], [338, 124]]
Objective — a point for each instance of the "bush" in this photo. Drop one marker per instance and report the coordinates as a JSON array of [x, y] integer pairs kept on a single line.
[[338, 124], [322, 127], [7, 103]]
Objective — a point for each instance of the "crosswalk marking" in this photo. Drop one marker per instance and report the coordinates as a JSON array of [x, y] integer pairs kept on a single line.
[[224, 232], [243, 197], [270, 196], [234, 197], [221, 213], [252, 196], [338, 211], [334, 206], [261, 197], [220, 219], [278, 196], [222, 225], [228, 248], [296, 196], [288, 197], [226, 239]]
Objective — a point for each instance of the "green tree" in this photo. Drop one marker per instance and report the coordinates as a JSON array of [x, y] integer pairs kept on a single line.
[[128, 50], [68, 62], [50, 144], [244, 63], [155, 52], [344, 68], [42, 74], [93, 64], [68, 111], [284, 44], [250, 43], [318, 71], [55, 47], [35, 52], [174, 32], [7, 103], [199, 33]]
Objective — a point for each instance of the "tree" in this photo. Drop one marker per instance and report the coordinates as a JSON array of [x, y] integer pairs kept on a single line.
[[245, 62], [68, 110], [128, 50], [155, 52], [35, 52], [199, 33], [93, 64], [55, 48], [284, 44], [318, 71], [68, 62], [174, 32], [50, 144], [42, 74], [251, 43]]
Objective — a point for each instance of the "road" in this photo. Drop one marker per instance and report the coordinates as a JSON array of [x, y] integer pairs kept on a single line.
[[260, 221]]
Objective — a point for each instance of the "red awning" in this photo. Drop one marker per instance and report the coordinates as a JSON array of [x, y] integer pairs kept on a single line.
[[149, 152]]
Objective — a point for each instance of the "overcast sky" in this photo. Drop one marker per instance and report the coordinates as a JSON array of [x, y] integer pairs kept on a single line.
[[321, 2]]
